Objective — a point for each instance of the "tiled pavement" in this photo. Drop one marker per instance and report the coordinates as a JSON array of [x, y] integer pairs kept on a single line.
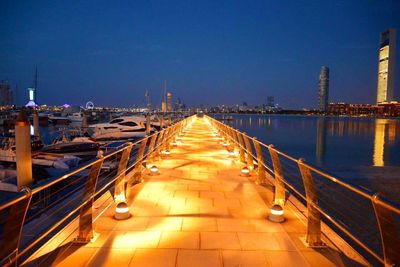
[[198, 212]]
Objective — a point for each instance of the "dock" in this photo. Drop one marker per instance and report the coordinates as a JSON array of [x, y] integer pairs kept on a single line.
[[199, 210]]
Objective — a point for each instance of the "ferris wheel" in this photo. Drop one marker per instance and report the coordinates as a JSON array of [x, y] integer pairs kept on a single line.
[[89, 105]]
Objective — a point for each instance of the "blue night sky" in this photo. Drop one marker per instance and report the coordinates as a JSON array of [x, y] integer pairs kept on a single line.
[[211, 52]]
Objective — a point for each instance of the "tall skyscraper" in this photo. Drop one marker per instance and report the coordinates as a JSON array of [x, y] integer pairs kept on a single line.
[[324, 89], [169, 101], [386, 65]]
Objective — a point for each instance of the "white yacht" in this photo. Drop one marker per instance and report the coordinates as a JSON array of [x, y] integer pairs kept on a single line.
[[119, 128], [75, 117]]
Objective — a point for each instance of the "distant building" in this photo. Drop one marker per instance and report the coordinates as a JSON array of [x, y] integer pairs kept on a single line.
[[169, 101], [391, 109], [32, 98], [6, 95], [270, 101], [163, 106], [386, 65], [324, 89]]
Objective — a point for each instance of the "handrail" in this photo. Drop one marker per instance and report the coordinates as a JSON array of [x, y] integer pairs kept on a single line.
[[11, 253], [384, 212]]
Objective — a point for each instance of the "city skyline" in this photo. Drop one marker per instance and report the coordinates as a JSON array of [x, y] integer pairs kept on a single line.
[[221, 54]]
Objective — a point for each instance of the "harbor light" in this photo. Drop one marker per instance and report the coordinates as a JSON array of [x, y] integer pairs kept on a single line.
[[245, 171], [276, 214], [154, 170], [122, 211]]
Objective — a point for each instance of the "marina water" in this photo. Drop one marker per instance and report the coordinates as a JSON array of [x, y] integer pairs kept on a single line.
[[364, 151]]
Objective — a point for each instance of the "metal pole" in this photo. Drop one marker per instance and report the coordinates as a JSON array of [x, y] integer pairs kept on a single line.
[[148, 126], [23, 151]]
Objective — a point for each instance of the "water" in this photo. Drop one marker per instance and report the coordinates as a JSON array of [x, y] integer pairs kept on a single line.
[[364, 150]]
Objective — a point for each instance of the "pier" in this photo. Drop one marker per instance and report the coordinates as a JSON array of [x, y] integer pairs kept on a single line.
[[199, 193]]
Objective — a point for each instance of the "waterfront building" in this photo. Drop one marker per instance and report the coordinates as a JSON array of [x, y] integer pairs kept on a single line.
[[386, 65], [324, 89], [391, 109], [6, 95]]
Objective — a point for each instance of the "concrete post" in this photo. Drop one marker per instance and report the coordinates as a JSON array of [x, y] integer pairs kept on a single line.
[[36, 124], [23, 151], [148, 127]]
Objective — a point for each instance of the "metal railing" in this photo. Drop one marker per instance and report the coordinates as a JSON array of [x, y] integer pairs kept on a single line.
[[369, 221], [30, 217]]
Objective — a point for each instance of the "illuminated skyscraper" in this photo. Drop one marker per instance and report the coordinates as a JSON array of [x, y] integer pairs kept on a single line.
[[386, 65], [323, 89], [169, 101]]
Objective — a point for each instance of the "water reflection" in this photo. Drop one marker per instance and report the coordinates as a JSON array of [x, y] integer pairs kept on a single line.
[[330, 142], [383, 126], [320, 147]]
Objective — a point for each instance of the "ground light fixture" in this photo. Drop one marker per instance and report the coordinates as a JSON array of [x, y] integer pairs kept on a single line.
[[276, 214], [122, 211], [167, 152], [154, 170], [245, 172], [174, 143]]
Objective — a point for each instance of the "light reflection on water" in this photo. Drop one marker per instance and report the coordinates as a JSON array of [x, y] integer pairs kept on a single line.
[[329, 142]]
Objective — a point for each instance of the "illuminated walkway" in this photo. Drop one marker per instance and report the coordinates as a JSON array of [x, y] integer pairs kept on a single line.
[[197, 212]]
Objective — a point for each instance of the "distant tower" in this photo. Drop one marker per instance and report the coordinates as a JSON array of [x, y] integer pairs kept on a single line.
[[169, 101], [324, 89], [386, 65]]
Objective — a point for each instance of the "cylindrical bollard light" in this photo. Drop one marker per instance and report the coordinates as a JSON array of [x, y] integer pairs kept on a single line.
[[36, 130], [23, 151], [148, 124]]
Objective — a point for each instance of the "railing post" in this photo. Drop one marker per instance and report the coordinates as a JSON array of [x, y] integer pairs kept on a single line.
[[260, 162], [279, 197], [86, 212], [162, 121], [9, 243], [388, 232], [120, 182], [249, 156], [241, 146], [313, 237], [150, 152], [158, 145], [137, 175]]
